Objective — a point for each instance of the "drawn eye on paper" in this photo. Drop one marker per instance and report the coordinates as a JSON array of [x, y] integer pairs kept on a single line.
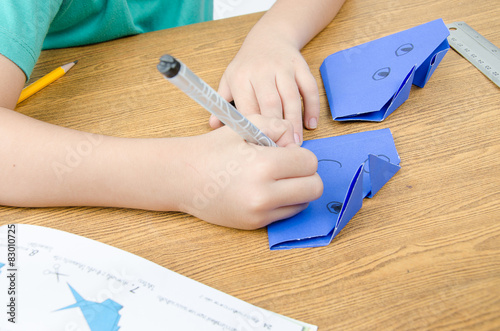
[[330, 160], [381, 73], [334, 207], [404, 49]]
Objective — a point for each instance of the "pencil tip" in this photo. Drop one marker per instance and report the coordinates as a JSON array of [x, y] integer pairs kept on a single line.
[[75, 62]]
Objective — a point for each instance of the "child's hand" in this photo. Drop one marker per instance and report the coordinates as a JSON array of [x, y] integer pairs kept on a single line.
[[233, 183], [217, 176], [269, 76]]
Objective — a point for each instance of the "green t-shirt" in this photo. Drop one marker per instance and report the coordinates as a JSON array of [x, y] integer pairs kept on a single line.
[[28, 26]]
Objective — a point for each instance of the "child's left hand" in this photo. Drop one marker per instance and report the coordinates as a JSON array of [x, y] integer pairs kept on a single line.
[[269, 76]]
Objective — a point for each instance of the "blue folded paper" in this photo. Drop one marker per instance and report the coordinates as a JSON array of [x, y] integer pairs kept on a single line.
[[352, 167], [369, 81]]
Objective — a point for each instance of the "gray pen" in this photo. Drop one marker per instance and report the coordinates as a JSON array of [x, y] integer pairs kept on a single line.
[[180, 75]]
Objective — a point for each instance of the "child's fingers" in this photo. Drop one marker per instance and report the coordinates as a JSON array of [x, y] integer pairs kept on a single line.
[[242, 93], [268, 96], [225, 92], [292, 163], [292, 103], [278, 130], [263, 219], [214, 122], [291, 196], [285, 212], [299, 190], [309, 90]]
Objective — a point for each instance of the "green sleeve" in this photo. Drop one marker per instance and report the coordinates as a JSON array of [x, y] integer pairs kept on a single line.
[[28, 26], [84, 22], [23, 27]]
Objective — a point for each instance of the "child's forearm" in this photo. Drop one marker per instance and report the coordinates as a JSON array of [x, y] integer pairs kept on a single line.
[[217, 176], [297, 20], [47, 165]]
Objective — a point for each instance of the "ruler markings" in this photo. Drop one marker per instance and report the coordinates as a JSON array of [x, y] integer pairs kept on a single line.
[[476, 49]]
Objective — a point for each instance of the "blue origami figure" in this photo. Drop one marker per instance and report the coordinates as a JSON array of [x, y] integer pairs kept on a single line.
[[351, 167], [99, 316], [368, 82]]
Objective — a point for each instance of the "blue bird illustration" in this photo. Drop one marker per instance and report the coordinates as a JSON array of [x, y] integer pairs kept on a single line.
[[99, 316]]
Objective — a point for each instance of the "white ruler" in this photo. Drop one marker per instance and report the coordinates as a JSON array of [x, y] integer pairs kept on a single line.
[[476, 49]]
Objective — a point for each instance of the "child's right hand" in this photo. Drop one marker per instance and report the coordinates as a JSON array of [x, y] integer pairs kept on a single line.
[[237, 184], [217, 176]]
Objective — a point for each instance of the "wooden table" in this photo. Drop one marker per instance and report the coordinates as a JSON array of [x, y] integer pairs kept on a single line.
[[423, 254]]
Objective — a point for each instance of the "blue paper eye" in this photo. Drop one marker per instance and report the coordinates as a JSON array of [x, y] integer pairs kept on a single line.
[[329, 160], [334, 207], [404, 49], [381, 73]]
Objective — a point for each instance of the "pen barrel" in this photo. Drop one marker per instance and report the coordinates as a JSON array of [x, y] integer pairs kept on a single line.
[[208, 98]]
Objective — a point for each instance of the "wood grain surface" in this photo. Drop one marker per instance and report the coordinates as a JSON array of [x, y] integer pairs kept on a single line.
[[423, 254]]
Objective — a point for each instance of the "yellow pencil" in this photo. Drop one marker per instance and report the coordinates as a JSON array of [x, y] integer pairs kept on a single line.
[[44, 81]]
